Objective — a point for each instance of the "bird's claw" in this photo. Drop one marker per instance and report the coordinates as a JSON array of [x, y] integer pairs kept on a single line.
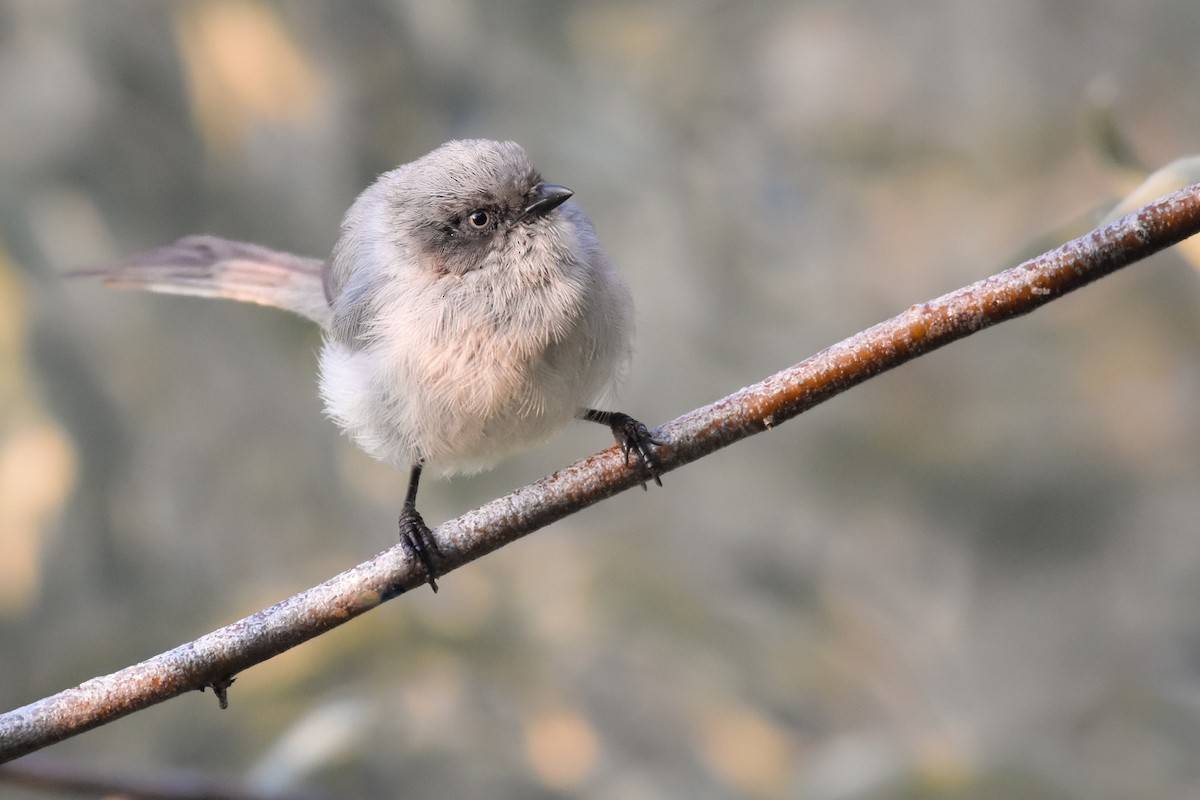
[[417, 540], [634, 437]]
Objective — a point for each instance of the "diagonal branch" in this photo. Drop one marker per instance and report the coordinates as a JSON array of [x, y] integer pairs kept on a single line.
[[212, 659]]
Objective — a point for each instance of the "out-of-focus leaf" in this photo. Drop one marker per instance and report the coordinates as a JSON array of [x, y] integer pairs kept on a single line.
[[1174, 176]]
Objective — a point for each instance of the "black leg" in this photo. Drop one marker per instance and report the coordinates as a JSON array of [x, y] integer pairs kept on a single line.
[[632, 436], [415, 535]]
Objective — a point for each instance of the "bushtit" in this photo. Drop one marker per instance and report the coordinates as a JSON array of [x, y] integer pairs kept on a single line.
[[468, 311]]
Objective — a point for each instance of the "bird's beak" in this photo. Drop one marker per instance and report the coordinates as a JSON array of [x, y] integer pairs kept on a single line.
[[545, 198]]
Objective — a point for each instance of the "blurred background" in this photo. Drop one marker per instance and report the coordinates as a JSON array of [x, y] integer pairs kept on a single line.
[[978, 576]]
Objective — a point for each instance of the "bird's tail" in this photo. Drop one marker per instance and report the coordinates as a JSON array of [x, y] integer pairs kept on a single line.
[[206, 266]]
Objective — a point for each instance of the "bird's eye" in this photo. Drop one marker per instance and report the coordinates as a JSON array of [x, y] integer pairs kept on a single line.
[[479, 219]]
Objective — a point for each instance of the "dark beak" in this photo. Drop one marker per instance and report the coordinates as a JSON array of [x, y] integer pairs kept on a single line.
[[545, 198]]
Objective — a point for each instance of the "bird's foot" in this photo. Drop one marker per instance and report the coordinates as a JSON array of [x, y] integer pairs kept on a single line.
[[634, 437], [417, 540]]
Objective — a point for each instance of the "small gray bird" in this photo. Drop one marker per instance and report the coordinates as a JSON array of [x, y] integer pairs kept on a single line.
[[468, 311]]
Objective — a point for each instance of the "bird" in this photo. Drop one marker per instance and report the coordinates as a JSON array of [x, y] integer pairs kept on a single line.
[[468, 310]]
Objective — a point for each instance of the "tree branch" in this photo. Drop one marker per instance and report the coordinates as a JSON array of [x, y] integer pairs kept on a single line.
[[212, 659]]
